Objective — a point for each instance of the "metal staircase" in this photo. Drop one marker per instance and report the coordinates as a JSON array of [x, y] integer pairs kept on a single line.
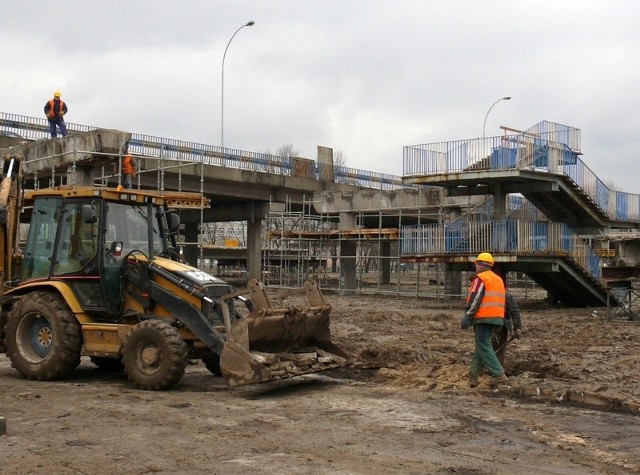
[[541, 166]]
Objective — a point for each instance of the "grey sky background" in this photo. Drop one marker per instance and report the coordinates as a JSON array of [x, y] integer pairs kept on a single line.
[[363, 77]]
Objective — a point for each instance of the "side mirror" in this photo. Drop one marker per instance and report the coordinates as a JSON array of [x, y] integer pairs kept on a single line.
[[174, 222], [89, 214], [116, 248]]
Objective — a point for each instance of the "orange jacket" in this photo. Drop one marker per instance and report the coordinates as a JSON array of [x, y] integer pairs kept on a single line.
[[493, 301], [51, 113], [128, 165]]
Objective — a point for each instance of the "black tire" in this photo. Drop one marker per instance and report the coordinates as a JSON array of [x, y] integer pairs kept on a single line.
[[154, 355], [43, 337], [107, 364], [212, 361]]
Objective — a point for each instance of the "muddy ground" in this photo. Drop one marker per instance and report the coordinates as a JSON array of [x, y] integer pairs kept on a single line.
[[572, 406]]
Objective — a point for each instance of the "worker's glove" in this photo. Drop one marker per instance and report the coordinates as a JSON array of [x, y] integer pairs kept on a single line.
[[465, 322], [60, 113], [509, 324]]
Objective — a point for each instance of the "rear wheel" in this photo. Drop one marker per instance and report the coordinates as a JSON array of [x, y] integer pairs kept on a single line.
[[154, 355], [43, 337]]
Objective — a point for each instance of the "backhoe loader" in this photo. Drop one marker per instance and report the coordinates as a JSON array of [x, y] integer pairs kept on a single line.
[[101, 275]]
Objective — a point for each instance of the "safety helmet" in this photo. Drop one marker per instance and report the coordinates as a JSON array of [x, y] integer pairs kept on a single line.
[[486, 258], [57, 94]]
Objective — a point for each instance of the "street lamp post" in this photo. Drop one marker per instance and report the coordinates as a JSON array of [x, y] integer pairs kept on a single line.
[[506, 98], [251, 23]]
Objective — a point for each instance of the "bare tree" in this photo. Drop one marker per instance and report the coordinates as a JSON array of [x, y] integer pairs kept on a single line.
[[339, 159], [287, 151]]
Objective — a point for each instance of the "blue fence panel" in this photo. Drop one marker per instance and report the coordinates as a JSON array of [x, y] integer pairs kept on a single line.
[[502, 158], [540, 236], [622, 205], [567, 240], [593, 261], [602, 195], [455, 237], [569, 157]]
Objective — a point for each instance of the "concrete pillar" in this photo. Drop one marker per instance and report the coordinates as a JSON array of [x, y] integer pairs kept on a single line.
[[499, 214], [83, 176], [452, 279], [191, 251], [384, 264], [452, 283], [348, 252], [499, 202], [254, 249]]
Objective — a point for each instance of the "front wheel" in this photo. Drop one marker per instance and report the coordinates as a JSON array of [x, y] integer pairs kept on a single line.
[[43, 337], [154, 355]]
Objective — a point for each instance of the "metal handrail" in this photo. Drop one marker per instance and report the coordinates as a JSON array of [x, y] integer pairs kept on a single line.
[[523, 151], [33, 128], [516, 237]]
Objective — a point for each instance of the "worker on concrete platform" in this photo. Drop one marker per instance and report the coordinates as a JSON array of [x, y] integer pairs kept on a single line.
[[128, 170], [55, 109], [485, 311]]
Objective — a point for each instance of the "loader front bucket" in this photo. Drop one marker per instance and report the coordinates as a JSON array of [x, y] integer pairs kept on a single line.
[[279, 343]]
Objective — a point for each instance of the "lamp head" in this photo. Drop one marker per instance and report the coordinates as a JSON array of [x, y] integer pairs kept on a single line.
[[507, 98], [251, 23]]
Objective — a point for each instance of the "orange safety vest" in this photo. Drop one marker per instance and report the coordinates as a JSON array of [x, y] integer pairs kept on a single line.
[[494, 299], [52, 112], [127, 165]]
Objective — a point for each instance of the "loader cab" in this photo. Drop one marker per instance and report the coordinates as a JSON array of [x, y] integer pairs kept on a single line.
[[83, 241]]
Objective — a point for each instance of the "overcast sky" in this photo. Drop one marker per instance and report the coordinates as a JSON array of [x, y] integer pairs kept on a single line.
[[363, 77]]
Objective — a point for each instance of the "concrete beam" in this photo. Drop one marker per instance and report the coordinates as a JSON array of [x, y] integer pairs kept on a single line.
[[75, 150], [359, 199], [223, 212], [475, 190]]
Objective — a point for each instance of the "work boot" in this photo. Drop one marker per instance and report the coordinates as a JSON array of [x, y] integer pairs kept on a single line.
[[498, 380], [473, 381]]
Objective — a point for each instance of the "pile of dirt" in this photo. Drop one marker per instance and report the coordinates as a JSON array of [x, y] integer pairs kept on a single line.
[[561, 352]]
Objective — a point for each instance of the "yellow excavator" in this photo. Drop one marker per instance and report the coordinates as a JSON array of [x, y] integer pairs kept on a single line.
[[101, 275]]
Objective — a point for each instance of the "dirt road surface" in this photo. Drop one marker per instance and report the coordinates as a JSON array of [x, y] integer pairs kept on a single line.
[[572, 406]]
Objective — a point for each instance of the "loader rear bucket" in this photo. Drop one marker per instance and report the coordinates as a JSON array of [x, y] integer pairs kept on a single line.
[[279, 343]]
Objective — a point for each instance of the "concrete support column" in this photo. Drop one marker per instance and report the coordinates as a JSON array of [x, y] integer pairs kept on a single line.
[[499, 214], [191, 251], [452, 279], [499, 202], [384, 263], [81, 176], [348, 253], [254, 249], [452, 283]]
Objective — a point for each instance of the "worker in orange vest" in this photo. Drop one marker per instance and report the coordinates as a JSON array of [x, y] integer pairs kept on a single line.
[[55, 109], [129, 167], [485, 311]]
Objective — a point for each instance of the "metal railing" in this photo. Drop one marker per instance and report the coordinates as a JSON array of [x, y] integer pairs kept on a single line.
[[523, 151], [33, 128], [506, 236]]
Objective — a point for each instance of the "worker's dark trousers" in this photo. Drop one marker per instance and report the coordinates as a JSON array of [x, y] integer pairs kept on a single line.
[[56, 122], [484, 355]]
